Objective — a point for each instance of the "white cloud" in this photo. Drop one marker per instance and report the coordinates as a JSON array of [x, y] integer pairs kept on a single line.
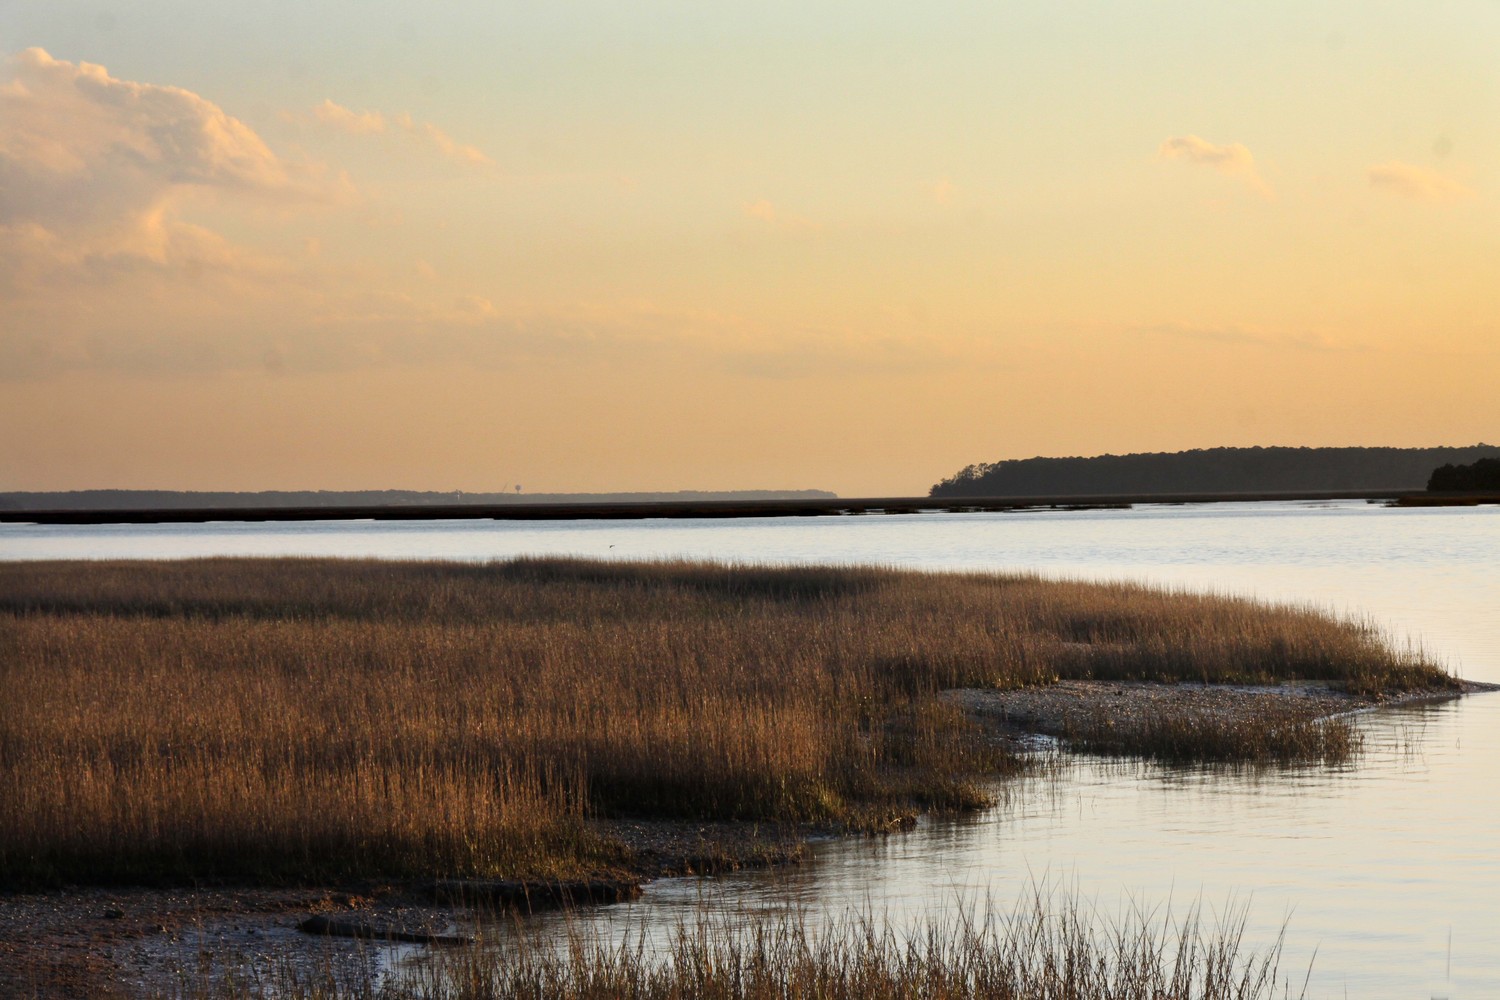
[[336, 116], [1416, 183], [94, 169], [1232, 160], [100, 265]]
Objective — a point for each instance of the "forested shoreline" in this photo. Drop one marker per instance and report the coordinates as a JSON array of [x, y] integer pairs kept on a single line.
[[1212, 470]]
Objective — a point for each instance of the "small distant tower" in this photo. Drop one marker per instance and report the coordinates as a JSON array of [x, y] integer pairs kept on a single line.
[[518, 487]]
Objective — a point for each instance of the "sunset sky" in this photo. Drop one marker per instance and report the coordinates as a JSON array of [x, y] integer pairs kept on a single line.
[[605, 246]]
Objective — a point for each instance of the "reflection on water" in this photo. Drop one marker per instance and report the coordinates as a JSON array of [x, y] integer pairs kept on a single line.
[[1372, 866], [1369, 867]]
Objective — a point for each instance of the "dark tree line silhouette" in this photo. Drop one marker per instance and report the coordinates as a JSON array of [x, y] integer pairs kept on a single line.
[[1211, 470], [1481, 475]]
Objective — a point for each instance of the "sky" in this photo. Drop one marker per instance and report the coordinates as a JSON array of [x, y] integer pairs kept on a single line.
[[595, 246]]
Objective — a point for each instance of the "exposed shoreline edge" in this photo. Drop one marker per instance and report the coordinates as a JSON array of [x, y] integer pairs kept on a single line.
[[142, 939], [1046, 710]]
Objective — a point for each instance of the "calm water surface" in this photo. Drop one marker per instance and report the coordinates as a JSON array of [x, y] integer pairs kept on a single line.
[[1376, 867]]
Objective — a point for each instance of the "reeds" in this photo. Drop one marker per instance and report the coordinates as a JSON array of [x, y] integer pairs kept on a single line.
[[306, 720], [1038, 952], [1284, 733]]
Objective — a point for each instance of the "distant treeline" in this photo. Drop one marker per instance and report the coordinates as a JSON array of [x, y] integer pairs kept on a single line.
[[1212, 470], [184, 500], [1482, 475]]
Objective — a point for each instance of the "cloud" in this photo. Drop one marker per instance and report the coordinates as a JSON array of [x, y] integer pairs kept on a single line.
[[72, 133], [343, 119], [1232, 160], [93, 169], [1416, 183], [1247, 336], [104, 267], [444, 143], [353, 122], [299, 327], [764, 211], [100, 266]]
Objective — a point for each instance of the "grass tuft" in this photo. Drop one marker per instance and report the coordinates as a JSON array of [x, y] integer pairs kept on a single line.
[[1280, 733]]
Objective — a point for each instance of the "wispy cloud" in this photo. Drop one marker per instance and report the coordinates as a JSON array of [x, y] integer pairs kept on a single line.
[[764, 211], [1416, 183], [444, 143], [1247, 336], [1231, 159], [343, 119], [354, 122], [291, 328]]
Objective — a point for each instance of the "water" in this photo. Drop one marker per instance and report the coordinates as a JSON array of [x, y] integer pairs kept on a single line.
[[1376, 867], [1369, 869]]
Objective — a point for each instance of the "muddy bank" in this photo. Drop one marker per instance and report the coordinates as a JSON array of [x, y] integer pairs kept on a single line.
[[127, 943]]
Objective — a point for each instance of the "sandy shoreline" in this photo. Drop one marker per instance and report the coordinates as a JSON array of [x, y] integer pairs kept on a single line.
[[126, 943]]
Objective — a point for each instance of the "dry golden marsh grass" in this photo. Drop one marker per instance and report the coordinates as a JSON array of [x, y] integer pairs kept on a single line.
[[1050, 949], [309, 720]]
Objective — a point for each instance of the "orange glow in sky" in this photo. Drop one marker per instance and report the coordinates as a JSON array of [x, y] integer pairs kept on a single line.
[[654, 247]]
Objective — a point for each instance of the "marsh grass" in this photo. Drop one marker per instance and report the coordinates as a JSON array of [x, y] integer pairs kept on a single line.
[[313, 720], [1038, 952], [1283, 733]]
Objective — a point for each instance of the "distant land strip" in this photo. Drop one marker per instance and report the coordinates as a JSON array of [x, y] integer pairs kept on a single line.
[[811, 507], [1224, 470], [218, 499]]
